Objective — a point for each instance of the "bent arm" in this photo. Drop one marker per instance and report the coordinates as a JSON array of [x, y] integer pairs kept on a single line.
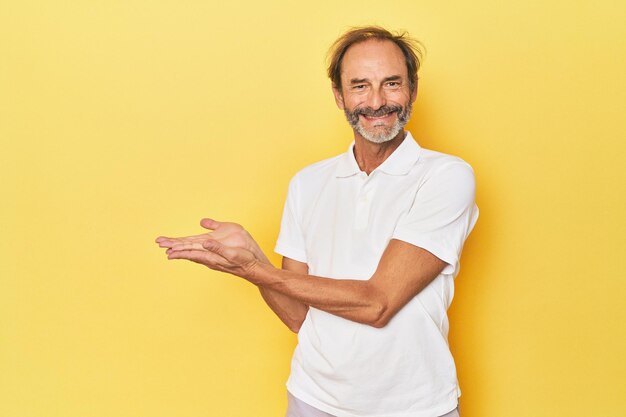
[[290, 311], [404, 270]]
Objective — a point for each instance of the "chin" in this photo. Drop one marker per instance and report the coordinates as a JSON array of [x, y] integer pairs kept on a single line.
[[388, 134]]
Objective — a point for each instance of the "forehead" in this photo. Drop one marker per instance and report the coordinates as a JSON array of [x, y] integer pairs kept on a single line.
[[373, 59]]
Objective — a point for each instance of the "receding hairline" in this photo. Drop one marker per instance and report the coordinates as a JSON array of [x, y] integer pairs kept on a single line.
[[366, 41], [411, 49]]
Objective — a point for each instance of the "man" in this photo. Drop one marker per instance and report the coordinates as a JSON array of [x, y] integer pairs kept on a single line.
[[371, 242]]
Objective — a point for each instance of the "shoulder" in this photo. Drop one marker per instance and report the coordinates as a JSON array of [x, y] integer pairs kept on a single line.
[[444, 177], [317, 172], [440, 167]]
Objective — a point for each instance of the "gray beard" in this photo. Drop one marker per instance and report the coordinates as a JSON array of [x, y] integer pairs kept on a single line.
[[379, 134]]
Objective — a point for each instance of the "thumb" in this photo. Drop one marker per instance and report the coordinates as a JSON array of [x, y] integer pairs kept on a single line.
[[209, 224]]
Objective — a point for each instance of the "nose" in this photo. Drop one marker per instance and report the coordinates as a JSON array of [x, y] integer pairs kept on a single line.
[[376, 98]]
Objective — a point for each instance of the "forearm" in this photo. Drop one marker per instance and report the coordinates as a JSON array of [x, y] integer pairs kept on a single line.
[[289, 295], [289, 311], [403, 271], [355, 300]]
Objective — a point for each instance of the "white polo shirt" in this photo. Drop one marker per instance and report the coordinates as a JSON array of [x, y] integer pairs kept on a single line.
[[339, 221]]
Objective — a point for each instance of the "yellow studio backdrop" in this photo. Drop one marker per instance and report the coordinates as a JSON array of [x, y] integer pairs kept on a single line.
[[124, 120]]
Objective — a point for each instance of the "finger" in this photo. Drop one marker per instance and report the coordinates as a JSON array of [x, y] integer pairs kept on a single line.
[[191, 245], [209, 224], [205, 258], [212, 245], [223, 251], [191, 255], [168, 242], [162, 239], [172, 250]]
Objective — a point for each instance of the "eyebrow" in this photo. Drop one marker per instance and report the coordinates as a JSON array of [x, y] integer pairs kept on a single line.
[[393, 78], [366, 80]]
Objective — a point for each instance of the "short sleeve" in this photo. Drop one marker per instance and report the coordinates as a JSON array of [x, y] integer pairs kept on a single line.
[[442, 215], [291, 239]]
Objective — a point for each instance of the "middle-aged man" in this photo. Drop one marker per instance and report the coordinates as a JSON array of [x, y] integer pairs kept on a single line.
[[371, 241]]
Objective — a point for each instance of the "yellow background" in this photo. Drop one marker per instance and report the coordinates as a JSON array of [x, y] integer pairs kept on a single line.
[[123, 120]]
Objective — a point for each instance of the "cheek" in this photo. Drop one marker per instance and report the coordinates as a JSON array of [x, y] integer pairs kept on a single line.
[[400, 97], [351, 102]]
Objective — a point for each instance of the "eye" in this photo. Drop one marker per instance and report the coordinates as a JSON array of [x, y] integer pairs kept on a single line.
[[393, 84]]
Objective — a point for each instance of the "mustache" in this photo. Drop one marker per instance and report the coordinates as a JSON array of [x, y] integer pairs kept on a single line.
[[381, 111]]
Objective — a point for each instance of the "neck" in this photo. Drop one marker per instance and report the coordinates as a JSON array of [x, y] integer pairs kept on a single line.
[[370, 155]]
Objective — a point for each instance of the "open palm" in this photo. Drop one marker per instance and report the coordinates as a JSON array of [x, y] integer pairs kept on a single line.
[[227, 233]]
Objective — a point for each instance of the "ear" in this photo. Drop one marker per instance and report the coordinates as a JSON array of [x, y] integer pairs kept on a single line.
[[338, 97]]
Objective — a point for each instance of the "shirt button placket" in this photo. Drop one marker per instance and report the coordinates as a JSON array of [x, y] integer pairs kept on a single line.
[[363, 203]]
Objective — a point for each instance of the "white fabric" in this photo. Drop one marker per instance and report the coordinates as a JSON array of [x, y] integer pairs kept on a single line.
[[339, 221], [298, 408]]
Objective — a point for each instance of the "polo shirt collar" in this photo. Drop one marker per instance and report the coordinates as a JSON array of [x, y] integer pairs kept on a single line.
[[399, 162]]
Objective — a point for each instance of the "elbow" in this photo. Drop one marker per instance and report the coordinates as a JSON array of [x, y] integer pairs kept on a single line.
[[379, 315], [294, 322], [294, 326], [380, 321]]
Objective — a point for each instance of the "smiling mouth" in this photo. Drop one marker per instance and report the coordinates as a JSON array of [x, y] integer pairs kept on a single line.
[[374, 118]]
